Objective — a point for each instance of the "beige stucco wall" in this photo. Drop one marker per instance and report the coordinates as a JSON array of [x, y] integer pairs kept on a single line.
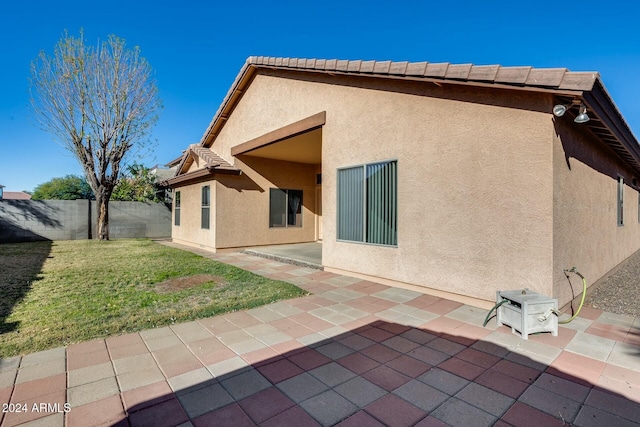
[[189, 231], [475, 178], [242, 203], [585, 230]]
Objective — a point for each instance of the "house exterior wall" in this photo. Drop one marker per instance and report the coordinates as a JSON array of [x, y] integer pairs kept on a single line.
[[585, 230], [189, 232], [242, 203], [475, 173]]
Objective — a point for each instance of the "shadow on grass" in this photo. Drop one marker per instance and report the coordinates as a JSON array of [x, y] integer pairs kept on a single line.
[[378, 374], [20, 266]]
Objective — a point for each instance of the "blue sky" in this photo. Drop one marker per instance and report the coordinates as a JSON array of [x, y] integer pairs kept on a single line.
[[197, 48]]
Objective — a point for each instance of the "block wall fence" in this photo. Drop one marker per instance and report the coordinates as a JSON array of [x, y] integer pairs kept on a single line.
[[32, 220]]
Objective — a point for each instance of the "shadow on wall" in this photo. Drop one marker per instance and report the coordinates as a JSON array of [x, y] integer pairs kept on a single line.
[[15, 212], [579, 144], [20, 266], [379, 373], [299, 176], [239, 183]]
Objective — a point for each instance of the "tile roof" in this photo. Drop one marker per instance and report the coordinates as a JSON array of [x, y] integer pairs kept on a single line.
[[607, 123], [213, 160], [213, 164], [555, 78], [15, 195]]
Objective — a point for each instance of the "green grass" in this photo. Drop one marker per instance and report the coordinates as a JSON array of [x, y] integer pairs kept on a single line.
[[57, 293]]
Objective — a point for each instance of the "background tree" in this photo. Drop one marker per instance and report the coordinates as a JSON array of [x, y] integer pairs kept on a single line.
[[137, 185], [69, 187], [100, 103]]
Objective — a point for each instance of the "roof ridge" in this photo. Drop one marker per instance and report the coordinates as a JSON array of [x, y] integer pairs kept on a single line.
[[559, 78]]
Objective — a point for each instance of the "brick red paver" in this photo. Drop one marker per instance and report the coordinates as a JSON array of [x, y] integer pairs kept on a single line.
[[365, 371]]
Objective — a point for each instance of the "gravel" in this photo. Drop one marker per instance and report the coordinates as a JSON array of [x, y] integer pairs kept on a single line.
[[620, 292]]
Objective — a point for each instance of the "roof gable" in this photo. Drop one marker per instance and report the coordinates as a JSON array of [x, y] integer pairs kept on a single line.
[[607, 123], [211, 163], [203, 155]]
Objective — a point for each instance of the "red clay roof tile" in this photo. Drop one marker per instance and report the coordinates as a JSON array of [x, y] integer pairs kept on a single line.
[[436, 70], [458, 71], [484, 73], [416, 68]]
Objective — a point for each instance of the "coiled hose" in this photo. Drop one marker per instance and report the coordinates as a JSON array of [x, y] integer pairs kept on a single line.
[[562, 322]]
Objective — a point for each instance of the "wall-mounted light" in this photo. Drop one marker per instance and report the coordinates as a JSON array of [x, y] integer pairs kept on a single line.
[[559, 110], [582, 117]]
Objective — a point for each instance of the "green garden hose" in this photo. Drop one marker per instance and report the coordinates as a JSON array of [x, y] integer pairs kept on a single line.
[[584, 294], [495, 307]]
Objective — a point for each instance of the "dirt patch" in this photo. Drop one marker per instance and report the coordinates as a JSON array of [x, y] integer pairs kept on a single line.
[[181, 283]]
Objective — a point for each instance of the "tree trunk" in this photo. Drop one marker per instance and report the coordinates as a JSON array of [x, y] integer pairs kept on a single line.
[[102, 211]]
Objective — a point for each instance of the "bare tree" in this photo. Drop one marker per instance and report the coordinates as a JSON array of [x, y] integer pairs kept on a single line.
[[100, 103]]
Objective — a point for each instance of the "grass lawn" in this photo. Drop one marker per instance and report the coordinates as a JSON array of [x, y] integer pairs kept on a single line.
[[57, 293]]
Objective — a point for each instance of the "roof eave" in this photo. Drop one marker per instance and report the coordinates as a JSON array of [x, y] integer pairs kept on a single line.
[[199, 175], [600, 103], [560, 82]]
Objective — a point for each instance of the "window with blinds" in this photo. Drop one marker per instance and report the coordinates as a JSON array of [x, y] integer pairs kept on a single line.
[[206, 203], [176, 209], [620, 204], [368, 204]]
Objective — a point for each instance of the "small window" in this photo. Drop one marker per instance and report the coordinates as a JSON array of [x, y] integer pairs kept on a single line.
[[367, 204], [285, 208], [620, 200], [176, 209], [206, 201]]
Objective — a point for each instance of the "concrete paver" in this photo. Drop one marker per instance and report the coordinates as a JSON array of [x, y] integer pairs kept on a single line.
[[354, 352]]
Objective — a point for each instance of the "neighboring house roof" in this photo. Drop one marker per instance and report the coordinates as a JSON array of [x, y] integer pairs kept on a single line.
[[162, 173], [174, 162], [606, 121], [213, 163], [15, 195]]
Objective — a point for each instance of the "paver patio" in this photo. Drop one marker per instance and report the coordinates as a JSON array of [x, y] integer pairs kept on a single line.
[[354, 353]]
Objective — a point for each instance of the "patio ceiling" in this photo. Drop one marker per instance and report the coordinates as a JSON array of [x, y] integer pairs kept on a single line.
[[303, 148]]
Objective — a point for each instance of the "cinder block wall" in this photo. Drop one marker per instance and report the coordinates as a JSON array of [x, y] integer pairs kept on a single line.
[[31, 220]]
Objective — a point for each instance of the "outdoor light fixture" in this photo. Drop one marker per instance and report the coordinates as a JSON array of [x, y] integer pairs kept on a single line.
[[582, 117], [559, 110]]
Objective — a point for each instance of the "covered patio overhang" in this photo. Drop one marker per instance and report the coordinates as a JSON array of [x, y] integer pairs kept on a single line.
[[299, 142]]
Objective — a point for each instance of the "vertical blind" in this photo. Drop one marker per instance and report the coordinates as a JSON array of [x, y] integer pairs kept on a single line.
[[351, 204], [177, 209], [382, 203], [620, 200], [206, 201], [367, 203]]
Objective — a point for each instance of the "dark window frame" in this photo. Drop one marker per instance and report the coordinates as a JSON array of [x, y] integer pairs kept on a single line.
[[176, 209], [367, 203], [285, 208], [205, 220], [620, 201]]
